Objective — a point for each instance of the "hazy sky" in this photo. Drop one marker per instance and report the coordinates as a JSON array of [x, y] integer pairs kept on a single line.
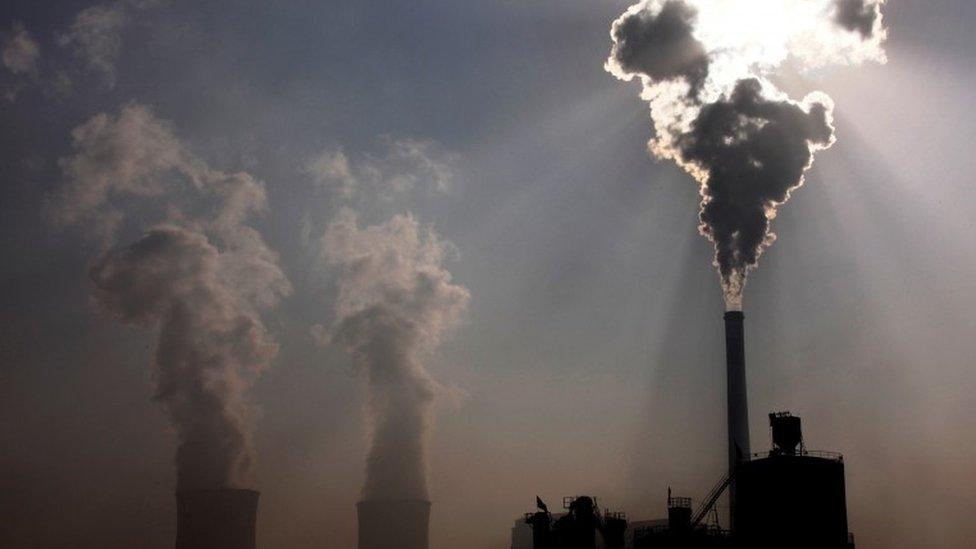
[[590, 357]]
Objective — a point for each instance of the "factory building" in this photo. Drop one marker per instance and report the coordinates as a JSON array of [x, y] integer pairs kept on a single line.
[[582, 526], [792, 496], [787, 497]]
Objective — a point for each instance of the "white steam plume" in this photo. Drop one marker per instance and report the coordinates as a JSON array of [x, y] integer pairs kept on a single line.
[[395, 303], [704, 68], [95, 34], [197, 282], [404, 165], [20, 52]]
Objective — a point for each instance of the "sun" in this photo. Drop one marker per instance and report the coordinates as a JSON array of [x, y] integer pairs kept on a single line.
[[750, 37]]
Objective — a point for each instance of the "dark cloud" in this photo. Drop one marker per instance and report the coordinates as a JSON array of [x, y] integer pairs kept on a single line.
[[857, 15], [660, 45], [745, 142], [754, 151], [210, 347]]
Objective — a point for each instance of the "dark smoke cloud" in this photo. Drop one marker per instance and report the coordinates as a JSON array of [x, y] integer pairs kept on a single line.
[[754, 151], [210, 348], [660, 45], [747, 144], [396, 301], [196, 281], [857, 15]]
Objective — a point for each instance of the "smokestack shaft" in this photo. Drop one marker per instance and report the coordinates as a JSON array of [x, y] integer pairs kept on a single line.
[[738, 407]]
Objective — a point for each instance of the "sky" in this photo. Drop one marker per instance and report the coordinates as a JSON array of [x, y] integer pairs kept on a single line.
[[581, 348]]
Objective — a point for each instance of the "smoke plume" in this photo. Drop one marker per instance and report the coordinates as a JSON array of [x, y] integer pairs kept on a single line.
[[95, 34], [395, 303], [704, 68], [404, 165], [197, 282], [20, 52], [858, 15]]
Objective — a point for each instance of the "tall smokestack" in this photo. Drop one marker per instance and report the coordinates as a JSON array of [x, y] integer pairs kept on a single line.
[[393, 524], [738, 406], [216, 519]]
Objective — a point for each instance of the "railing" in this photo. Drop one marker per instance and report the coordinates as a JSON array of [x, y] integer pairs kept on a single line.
[[835, 456], [568, 501], [711, 499], [674, 502], [644, 530]]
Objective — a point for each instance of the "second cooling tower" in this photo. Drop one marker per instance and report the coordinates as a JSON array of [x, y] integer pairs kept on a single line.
[[393, 524], [216, 519]]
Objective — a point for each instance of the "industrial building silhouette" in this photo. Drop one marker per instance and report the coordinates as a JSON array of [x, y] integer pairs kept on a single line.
[[788, 497]]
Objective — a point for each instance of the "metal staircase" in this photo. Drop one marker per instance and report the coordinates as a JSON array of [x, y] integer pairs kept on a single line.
[[711, 499]]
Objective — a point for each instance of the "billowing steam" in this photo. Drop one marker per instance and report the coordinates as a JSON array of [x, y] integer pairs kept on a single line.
[[395, 302], [19, 52], [197, 282], [704, 66]]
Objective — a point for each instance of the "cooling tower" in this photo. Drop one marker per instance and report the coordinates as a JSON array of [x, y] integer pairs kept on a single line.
[[393, 524], [216, 519], [738, 407]]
